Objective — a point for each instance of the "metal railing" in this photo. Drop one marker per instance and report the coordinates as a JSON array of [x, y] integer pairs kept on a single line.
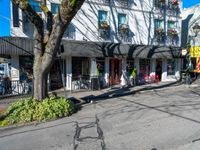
[[12, 88]]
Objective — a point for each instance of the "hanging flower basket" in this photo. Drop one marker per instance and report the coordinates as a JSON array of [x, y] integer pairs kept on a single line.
[[172, 33], [104, 25], [159, 32], [123, 28]]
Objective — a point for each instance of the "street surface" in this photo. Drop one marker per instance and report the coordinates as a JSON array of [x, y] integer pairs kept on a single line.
[[167, 119]]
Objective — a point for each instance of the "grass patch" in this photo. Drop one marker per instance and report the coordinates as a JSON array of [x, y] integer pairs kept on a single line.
[[29, 109]]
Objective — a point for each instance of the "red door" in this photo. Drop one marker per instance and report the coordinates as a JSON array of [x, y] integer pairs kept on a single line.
[[115, 71]]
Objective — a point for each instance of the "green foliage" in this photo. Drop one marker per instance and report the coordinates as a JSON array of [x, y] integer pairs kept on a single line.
[[29, 109], [72, 3]]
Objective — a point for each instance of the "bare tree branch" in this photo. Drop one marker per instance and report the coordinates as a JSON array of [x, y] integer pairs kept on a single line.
[[64, 16]]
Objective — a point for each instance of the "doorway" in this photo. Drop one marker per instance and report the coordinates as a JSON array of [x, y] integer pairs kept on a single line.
[[115, 71], [159, 69]]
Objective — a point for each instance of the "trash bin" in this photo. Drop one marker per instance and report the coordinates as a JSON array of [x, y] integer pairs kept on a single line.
[[95, 83]]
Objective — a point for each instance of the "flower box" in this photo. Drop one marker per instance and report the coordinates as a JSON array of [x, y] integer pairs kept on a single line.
[[104, 25], [172, 33], [123, 28], [159, 32]]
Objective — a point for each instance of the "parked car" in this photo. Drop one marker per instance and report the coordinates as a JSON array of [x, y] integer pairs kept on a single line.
[[2, 87]]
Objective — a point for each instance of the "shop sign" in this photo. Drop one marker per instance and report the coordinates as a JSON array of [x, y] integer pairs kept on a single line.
[[195, 51]]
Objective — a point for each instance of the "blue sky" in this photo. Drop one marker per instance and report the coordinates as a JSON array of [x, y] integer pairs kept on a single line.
[[189, 3], [4, 17]]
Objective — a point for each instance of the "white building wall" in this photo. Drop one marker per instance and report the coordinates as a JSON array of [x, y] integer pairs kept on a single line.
[[140, 15]]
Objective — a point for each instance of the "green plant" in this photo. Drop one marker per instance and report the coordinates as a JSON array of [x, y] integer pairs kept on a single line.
[[29, 109]]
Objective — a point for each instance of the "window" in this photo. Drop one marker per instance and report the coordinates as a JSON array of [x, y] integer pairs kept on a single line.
[[171, 24], [80, 66], [122, 19], [171, 65], [144, 67], [103, 16], [35, 5], [158, 23], [15, 15], [54, 8], [130, 66]]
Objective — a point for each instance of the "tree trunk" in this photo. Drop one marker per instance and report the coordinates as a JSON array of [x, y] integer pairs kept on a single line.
[[40, 71]]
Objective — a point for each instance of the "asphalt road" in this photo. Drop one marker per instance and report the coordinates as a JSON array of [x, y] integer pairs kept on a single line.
[[158, 120]]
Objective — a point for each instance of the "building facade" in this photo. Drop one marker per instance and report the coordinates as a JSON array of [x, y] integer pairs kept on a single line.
[[108, 38]]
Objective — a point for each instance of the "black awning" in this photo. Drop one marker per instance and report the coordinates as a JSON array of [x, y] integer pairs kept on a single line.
[[24, 46], [16, 46], [100, 49]]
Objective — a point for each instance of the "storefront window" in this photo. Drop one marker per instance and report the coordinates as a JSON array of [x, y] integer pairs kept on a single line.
[[26, 67], [130, 66], [100, 66], [171, 66], [144, 67], [80, 66]]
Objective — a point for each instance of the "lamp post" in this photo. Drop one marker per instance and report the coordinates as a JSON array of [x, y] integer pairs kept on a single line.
[[196, 29]]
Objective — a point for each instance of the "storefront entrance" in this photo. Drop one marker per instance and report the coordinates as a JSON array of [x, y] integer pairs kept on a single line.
[[115, 73], [159, 69]]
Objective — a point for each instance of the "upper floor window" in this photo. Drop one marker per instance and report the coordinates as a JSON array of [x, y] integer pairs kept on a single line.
[[54, 8], [104, 26], [122, 19], [159, 32], [159, 3], [158, 23], [123, 27], [171, 24], [35, 5], [15, 13], [103, 16]]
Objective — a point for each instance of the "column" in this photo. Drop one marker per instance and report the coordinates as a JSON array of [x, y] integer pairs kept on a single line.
[[178, 68], [68, 73], [137, 65], [106, 76], [153, 67], [14, 67], [124, 78]]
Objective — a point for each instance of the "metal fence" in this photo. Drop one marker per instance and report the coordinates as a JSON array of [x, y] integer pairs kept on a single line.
[[11, 88]]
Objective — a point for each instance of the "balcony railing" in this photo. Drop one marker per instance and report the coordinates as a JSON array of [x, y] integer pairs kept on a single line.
[[159, 3], [104, 30], [123, 2], [105, 1], [159, 36], [123, 33], [172, 37], [174, 5], [172, 41]]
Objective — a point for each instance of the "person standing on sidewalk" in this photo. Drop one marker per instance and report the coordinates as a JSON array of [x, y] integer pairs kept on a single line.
[[134, 75]]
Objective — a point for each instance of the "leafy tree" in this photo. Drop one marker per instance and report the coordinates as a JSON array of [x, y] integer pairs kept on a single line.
[[47, 43]]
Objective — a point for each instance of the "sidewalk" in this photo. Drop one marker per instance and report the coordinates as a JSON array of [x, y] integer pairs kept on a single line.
[[111, 92], [117, 91]]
